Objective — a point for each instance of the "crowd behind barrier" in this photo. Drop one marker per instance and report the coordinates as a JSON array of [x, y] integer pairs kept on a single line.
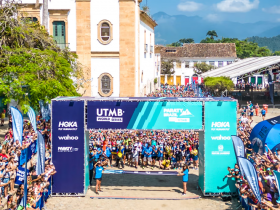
[[12, 167], [255, 87], [266, 166], [184, 91], [171, 149]]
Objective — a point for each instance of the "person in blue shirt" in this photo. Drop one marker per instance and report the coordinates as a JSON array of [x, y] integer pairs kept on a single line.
[[98, 175], [108, 153], [160, 154], [143, 153], [185, 174], [154, 156], [263, 112], [148, 155]]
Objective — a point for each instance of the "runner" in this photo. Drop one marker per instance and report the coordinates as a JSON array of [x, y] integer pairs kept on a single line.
[[263, 112]]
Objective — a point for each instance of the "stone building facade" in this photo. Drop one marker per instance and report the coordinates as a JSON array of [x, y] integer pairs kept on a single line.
[[114, 40]]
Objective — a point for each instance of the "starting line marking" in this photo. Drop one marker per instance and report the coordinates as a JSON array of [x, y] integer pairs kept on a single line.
[[139, 198]]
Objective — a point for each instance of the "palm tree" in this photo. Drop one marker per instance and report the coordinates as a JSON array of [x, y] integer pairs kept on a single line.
[[212, 34]]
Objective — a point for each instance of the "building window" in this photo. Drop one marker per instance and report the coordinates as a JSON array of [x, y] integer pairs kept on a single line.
[[105, 87], [212, 63], [178, 65], [105, 32], [170, 51], [220, 64], [187, 64], [59, 35], [229, 62]]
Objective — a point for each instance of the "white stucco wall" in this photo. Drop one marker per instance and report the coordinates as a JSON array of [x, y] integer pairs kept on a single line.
[[105, 65], [105, 10], [147, 60]]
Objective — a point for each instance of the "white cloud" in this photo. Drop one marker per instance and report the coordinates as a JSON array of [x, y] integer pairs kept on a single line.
[[237, 5], [274, 9], [189, 6], [213, 18]]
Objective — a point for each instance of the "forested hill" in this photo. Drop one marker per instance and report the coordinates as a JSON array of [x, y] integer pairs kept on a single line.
[[272, 43]]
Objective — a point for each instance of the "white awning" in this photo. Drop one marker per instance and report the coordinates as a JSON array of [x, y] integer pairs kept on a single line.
[[243, 67]]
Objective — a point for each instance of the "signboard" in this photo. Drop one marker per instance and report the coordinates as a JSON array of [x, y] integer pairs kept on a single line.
[[68, 146], [220, 124], [144, 115]]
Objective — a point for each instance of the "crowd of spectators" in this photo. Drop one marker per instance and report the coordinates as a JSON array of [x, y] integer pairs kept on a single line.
[[171, 149], [264, 164], [255, 87], [38, 185], [176, 91]]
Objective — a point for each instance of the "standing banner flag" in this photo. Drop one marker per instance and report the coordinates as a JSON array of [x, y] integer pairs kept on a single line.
[[32, 116], [41, 154], [20, 175], [45, 110], [251, 176], [238, 149], [277, 178], [17, 124], [25, 183]]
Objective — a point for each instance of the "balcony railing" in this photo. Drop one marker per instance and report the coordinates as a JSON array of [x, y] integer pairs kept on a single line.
[[152, 49], [145, 48], [63, 45]]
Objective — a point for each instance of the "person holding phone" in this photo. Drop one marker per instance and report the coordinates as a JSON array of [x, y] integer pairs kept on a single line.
[[98, 175]]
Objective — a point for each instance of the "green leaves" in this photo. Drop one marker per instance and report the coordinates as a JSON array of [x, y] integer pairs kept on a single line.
[[218, 84], [32, 66]]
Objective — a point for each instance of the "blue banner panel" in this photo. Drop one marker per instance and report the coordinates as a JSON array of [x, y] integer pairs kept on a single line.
[[144, 115], [220, 125], [68, 146]]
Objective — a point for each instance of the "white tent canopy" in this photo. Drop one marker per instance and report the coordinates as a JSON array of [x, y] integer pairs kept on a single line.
[[245, 66]]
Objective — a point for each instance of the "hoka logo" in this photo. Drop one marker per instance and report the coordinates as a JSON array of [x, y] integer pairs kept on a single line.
[[220, 125], [67, 124], [68, 137]]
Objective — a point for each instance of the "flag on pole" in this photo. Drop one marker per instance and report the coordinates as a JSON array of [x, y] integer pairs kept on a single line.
[[25, 181], [41, 154], [17, 124], [32, 116]]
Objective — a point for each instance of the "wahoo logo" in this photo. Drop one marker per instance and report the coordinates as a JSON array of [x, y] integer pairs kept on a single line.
[[109, 115], [68, 137], [220, 137], [220, 126], [67, 149]]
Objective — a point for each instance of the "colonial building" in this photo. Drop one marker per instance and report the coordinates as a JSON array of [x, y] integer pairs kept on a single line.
[[114, 40], [185, 57]]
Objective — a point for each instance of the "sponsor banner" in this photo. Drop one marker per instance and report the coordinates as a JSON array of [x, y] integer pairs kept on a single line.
[[220, 124], [144, 115], [41, 154], [17, 124], [165, 173], [238, 149], [68, 146], [251, 176], [32, 116], [20, 175]]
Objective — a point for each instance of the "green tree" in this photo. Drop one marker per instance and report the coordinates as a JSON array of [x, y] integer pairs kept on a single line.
[[277, 53], [218, 84], [200, 68], [167, 66], [188, 41], [31, 62], [212, 34], [174, 44]]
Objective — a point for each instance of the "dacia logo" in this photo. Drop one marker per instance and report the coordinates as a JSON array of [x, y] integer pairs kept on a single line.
[[109, 112], [67, 124], [220, 125]]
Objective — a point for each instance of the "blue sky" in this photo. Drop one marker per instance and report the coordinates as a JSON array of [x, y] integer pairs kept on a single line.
[[243, 11]]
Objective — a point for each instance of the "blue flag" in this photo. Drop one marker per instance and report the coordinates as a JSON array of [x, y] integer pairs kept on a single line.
[[45, 110], [20, 175], [17, 124], [238, 149], [251, 176], [277, 178], [32, 116], [40, 154], [25, 183]]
